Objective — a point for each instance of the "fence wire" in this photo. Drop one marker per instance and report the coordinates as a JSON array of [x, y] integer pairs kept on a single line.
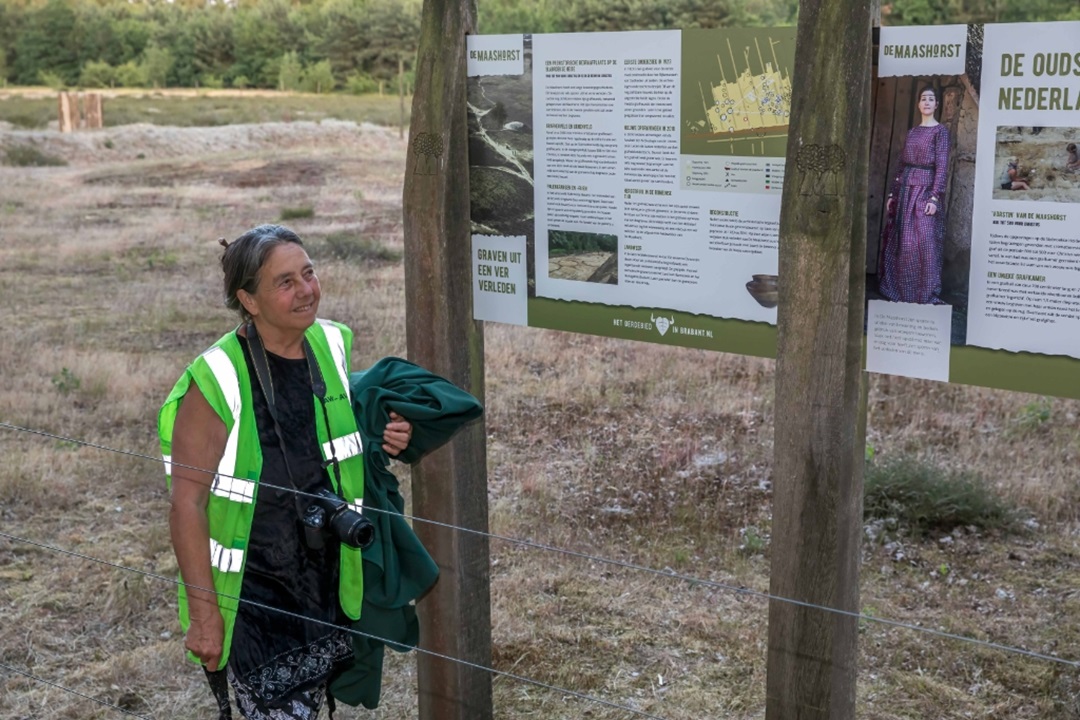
[[72, 691], [667, 574], [351, 631]]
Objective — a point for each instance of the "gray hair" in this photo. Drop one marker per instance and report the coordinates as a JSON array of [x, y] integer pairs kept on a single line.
[[244, 257]]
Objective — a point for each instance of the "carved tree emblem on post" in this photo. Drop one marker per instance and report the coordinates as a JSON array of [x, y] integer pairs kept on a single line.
[[429, 149], [819, 166]]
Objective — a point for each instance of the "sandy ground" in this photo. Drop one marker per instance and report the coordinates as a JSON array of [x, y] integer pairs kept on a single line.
[[146, 141], [1042, 155], [576, 267]]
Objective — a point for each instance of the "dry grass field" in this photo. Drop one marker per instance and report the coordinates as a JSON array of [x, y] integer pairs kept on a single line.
[[651, 456]]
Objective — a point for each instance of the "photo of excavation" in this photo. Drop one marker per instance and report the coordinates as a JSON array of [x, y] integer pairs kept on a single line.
[[582, 256], [1037, 163]]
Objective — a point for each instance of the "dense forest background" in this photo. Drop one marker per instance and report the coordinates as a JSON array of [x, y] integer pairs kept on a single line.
[[353, 45]]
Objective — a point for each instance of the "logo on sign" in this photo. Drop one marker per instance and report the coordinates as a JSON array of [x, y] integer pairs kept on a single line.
[[662, 323]]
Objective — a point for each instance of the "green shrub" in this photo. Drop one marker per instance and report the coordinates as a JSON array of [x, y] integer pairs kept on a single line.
[[319, 78], [290, 71], [131, 74], [30, 156], [1034, 415], [352, 248], [926, 498], [66, 382], [97, 74], [241, 82], [52, 80], [359, 83], [298, 213], [156, 64]]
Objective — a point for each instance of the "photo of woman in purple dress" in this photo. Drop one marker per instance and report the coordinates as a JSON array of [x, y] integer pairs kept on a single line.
[[912, 243]]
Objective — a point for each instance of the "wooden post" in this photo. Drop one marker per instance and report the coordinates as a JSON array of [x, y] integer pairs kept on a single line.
[[401, 96], [92, 111], [68, 114], [451, 485], [820, 392]]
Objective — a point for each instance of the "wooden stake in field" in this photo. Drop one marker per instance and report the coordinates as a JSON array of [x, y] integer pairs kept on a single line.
[[93, 117], [450, 486], [68, 113], [820, 392]]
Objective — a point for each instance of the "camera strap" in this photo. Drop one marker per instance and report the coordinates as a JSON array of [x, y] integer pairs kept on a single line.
[[318, 388]]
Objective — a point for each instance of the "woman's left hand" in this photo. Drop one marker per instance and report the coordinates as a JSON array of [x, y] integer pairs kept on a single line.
[[397, 434], [931, 208]]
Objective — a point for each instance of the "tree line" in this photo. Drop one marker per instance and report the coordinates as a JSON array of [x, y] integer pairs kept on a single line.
[[353, 45]]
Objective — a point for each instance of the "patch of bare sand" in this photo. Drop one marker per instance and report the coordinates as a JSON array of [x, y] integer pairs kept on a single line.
[[144, 141], [576, 267], [1042, 157]]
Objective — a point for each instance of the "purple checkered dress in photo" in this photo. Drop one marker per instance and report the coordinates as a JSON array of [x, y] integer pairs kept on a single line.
[[912, 245]]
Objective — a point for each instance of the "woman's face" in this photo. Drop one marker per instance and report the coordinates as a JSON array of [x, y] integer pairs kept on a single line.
[[288, 293], [927, 102]]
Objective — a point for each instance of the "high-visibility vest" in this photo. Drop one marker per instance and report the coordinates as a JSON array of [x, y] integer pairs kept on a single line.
[[221, 374]]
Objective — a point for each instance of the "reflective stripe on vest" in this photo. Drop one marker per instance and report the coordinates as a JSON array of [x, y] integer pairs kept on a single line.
[[235, 489], [344, 447], [225, 559], [336, 341], [225, 375]]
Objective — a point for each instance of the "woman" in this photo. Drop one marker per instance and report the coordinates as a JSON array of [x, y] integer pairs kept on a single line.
[[268, 407], [912, 245], [1072, 158], [1011, 178]]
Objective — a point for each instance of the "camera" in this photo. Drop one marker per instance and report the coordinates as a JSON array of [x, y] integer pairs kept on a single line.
[[330, 514]]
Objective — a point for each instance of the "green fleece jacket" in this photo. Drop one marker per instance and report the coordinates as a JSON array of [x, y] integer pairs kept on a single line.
[[397, 568]]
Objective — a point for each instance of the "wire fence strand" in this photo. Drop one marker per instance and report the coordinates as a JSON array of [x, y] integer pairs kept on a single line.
[[741, 591], [72, 691], [350, 630]]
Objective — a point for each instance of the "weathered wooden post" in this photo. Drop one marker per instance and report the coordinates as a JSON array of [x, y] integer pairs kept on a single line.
[[820, 392], [451, 485], [69, 113], [401, 96], [93, 117]]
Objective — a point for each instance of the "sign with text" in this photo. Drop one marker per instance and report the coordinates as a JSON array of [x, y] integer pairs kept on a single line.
[[629, 185]]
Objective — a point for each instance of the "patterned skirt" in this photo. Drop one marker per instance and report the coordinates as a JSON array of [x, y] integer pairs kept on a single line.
[[913, 250], [292, 686]]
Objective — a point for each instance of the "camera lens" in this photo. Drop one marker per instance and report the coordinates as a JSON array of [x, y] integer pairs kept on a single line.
[[353, 529]]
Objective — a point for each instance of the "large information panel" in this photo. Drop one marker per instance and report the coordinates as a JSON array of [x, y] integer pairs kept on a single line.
[[629, 184]]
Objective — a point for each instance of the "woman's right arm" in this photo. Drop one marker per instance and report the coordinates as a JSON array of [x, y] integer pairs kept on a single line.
[[198, 441], [894, 189]]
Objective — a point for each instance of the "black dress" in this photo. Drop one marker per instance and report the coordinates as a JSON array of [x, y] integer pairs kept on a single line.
[[288, 635]]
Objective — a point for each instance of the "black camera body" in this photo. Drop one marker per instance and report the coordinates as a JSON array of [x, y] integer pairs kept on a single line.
[[329, 514]]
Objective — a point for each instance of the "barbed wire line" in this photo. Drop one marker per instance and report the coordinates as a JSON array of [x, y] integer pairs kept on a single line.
[[352, 631], [667, 574], [72, 691]]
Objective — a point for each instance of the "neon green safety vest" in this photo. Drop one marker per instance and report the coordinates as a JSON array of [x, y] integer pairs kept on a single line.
[[221, 374]]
